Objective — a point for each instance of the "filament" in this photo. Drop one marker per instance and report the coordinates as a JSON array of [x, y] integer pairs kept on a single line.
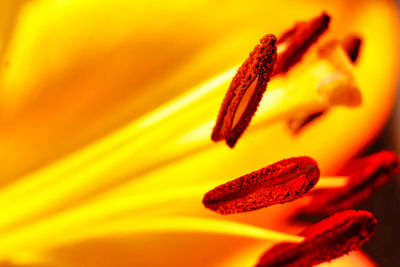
[[29, 239], [113, 204], [327, 182]]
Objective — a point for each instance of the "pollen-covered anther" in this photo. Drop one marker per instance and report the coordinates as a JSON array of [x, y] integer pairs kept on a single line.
[[365, 175], [329, 239], [280, 182], [294, 43], [245, 92]]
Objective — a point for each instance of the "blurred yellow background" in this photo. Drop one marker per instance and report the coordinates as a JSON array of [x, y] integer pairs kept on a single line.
[[106, 108]]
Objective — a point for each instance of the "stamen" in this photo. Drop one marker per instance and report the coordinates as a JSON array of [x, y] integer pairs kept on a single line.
[[365, 176], [245, 92], [97, 163], [104, 208], [280, 182], [294, 43], [352, 44], [329, 239]]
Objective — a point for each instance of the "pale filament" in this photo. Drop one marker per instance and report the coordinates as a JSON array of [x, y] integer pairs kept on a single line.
[[327, 182], [79, 222], [28, 239]]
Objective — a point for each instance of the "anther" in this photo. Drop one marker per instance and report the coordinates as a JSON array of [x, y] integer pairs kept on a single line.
[[294, 43], [245, 92], [329, 239], [280, 182], [365, 175]]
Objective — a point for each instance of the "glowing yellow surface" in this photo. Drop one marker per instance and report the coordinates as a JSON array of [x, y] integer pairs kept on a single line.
[[74, 72], [79, 173]]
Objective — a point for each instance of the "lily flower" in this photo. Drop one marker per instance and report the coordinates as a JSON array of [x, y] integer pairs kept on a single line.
[[107, 109]]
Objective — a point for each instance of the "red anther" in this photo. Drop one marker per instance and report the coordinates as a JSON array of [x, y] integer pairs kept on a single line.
[[329, 239], [245, 92], [298, 40], [352, 44], [365, 176], [280, 182]]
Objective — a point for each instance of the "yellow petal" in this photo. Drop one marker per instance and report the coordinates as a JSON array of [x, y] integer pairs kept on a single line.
[[79, 70]]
